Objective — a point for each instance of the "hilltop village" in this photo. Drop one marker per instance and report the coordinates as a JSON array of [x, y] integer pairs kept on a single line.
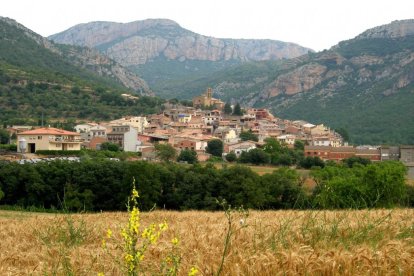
[[184, 128], [191, 128]]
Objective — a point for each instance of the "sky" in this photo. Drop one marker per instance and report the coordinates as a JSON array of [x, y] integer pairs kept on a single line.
[[317, 24]]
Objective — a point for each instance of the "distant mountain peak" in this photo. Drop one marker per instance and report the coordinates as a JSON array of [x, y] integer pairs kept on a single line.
[[140, 42], [395, 29]]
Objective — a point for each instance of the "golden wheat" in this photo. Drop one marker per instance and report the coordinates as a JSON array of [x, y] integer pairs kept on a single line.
[[368, 242]]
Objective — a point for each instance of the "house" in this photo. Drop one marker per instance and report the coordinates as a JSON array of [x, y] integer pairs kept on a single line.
[[95, 143], [390, 153], [407, 154], [321, 141], [48, 138], [239, 147], [319, 130], [187, 143], [125, 136], [184, 118], [317, 151], [373, 154], [207, 100], [139, 123], [84, 128], [340, 153], [288, 139], [90, 130]]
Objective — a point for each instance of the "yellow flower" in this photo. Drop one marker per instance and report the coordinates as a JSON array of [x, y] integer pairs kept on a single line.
[[109, 233], [101, 274], [103, 243], [174, 241], [163, 226], [193, 271], [134, 193]]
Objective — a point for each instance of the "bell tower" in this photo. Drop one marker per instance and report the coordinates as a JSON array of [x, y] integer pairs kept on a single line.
[[209, 93]]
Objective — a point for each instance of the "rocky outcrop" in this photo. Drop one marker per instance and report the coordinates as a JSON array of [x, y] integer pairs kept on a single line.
[[395, 29], [139, 42], [301, 79], [104, 66]]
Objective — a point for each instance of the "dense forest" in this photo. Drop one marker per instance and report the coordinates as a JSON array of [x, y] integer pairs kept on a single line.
[[99, 184]]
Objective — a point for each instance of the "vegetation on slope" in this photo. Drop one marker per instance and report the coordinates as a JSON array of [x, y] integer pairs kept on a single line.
[[34, 80]]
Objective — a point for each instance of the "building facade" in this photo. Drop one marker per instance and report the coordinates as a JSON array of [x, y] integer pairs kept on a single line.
[[49, 139]]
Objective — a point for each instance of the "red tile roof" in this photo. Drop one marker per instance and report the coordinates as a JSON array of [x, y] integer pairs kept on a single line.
[[48, 131]]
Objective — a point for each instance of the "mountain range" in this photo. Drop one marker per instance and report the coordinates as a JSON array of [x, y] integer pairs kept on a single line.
[[163, 52], [364, 85]]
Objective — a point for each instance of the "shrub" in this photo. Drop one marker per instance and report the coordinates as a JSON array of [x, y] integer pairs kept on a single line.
[[231, 156]]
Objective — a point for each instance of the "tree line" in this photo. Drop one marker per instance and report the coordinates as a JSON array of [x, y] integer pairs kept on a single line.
[[99, 184]]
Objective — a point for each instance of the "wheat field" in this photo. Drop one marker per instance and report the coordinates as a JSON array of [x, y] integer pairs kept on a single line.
[[367, 242]]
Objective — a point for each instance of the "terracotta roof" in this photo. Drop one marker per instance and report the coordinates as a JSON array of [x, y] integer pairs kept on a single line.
[[48, 131]]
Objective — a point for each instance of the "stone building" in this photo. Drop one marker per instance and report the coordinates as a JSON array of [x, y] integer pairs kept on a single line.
[[207, 100]]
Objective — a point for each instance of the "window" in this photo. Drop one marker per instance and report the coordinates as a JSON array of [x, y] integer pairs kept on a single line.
[[39, 137]]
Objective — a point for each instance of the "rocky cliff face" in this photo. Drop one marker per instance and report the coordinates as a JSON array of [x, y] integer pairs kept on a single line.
[[93, 60], [398, 28], [88, 59], [139, 42]]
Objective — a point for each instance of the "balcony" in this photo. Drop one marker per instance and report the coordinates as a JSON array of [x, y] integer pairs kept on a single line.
[[66, 140]]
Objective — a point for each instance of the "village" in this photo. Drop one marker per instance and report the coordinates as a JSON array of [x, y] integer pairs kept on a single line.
[[191, 128]]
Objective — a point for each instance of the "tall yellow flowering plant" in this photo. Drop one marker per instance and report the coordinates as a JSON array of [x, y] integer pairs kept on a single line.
[[136, 242]]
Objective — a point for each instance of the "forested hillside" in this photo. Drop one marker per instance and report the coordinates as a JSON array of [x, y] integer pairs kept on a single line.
[[37, 78]]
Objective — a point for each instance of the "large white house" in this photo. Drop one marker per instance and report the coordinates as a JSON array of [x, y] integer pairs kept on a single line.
[[49, 138]]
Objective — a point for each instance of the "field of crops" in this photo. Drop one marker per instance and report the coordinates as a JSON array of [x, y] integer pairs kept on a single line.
[[367, 242]]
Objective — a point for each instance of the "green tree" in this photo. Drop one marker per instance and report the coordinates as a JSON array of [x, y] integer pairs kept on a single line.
[[272, 146], [248, 135], [309, 162], [344, 133], [215, 147], [165, 152], [351, 161], [299, 145], [237, 110], [110, 146], [4, 136], [188, 156], [255, 156], [227, 108], [76, 90], [231, 156]]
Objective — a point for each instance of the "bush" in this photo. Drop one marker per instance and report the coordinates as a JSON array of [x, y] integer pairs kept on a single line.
[[188, 156], [309, 162], [215, 147], [231, 156], [255, 156], [373, 186], [110, 146], [12, 147]]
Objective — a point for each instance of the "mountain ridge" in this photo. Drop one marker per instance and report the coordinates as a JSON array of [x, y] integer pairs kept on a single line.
[[88, 59], [364, 84], [165, 54], [174, 38]]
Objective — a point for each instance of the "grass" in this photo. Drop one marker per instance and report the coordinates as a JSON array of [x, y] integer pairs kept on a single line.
[[363, 242]]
